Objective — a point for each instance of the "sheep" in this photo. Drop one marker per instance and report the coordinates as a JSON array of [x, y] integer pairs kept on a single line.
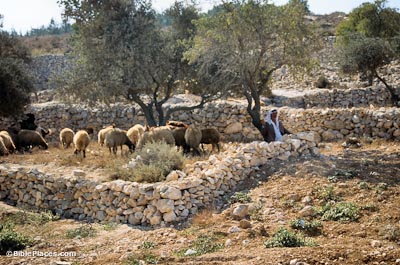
[[116, 137], [3, 148], [66, 137], [156, 134], [8, 141], [179, 136], [135, 132], [177, 124], [29, 138], [210, 136], [43, 131], [81, 142], [102, 134], [192, 138]]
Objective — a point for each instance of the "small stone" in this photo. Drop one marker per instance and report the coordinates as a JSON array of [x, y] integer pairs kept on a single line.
[[234, 229], [228, 243], [190, 252], [376, 243]]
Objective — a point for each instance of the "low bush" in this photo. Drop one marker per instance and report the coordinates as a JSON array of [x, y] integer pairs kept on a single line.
[[240, 197], [342, 211], [310, 228], [11, 240], [202, 245], [286, 238], [82, 232], [155, 161]]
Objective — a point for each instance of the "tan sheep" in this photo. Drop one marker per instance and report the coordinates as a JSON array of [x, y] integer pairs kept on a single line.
[[193, 138], [135, 132], [156, 134], [102, 134], [8, 141], [66, 137], [3, 148], [117, 137], [81, 142]]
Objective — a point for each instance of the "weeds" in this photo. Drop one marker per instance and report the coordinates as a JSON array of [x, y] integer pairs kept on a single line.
[[202, 245], [240, 197], [81, 232], [286, 238], [310, 228], [390, 232], [342, 211]]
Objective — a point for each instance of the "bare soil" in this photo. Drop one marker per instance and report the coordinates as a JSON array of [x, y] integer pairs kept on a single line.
[[368, 176]]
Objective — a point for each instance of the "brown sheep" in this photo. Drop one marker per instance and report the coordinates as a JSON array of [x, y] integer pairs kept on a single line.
[[66, 137], [117, 137], [210, 136], [29, 138], [192, 138], [81, 142]]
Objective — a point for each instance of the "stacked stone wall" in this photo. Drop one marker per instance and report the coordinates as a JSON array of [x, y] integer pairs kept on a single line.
[[182, 194]]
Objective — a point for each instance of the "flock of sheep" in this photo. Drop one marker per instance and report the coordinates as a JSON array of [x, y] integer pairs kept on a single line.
[[175, 133]]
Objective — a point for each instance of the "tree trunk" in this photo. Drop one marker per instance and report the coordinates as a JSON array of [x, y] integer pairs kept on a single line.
[[394, 97]]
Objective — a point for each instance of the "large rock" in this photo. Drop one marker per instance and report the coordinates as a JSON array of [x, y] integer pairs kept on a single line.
[[232, 128]]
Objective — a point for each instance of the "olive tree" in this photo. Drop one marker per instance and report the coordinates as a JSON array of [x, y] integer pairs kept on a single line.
[[15, 81], [238, 49], [122, 51]]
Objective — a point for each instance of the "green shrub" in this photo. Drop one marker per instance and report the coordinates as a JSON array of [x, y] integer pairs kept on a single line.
[[156, 161], [202, 245], [342, 211], [32, 218], [327, 194], [82, 232], [310, 228], [286, 238], [240, 197], [11, 240]]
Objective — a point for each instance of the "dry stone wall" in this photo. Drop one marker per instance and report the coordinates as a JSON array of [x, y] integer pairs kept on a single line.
[[161, 203], [230, 118]]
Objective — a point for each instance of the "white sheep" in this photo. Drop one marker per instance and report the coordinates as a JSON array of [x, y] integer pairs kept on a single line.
[[135, 132], [66, 137], [102, 134], [81, 142], [116, 137], [156, 134], [8, 141]]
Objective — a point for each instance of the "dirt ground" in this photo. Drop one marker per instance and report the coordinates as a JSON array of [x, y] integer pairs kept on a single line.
[[367, 176]]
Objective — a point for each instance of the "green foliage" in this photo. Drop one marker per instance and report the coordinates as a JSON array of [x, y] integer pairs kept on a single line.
[[342, 174], [110, 226], [311, 228], [371, 20], [11, 240], [83, 231], [240, 197], [16, 84], [157, 160], [327, 193], [202, 245], [286, 238], [32, 218], [52, 29], [342, 211], [237, 48], [145, 258]]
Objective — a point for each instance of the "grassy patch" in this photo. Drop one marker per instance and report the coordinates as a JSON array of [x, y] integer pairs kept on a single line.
[[240, 197]]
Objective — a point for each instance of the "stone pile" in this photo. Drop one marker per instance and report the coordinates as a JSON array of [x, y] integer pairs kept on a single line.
[[184, 192]]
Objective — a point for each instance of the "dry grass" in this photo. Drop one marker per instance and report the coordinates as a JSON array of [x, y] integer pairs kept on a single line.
[[49, 44]]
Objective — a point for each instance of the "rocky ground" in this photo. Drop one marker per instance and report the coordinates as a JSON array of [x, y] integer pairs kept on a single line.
[[273, 197]]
